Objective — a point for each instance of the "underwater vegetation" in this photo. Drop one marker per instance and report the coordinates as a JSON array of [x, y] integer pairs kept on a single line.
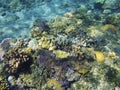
[[71, 52]]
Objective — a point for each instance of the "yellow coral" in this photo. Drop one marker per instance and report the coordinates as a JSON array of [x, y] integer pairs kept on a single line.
[[108, 27], [113, 55], [99, 56], [61, 54], [47, 43], [54, 83], [82, 70], [28, 50], [68, 14]]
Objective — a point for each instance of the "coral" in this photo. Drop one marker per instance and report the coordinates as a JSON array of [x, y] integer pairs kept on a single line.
[[24, 80], [59, 22], [62, 42], [109, 27], [82, 70], [47, 42], [59, 25], [65, 54], [81, 15], [65, 69], [28, 50], [112, 55], [35, 31], [4, 85], [16, 60], [54, 84], [70, 29], [33, 44], [39, 77], [85, 39], [94, 31], [39, 26], [99, 56], [61, 54], [113, 19], [68, 15], [21, 43]]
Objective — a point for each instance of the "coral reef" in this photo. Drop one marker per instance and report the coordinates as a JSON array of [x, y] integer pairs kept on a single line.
[[79, 51], [66, 71]]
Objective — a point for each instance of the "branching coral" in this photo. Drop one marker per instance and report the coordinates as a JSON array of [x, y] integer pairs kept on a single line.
[[4, 85], [16, 61]]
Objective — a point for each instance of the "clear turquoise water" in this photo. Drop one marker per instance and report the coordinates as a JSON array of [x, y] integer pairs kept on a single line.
[[15, 22]]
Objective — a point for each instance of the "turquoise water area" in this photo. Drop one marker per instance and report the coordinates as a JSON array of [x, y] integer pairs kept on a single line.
[[16, 18], [59, 44]]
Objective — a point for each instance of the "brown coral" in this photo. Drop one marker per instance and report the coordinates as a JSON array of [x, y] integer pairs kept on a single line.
[[4, 85], [16, 60]]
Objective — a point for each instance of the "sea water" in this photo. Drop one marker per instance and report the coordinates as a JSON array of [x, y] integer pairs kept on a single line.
[[16, 18]]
